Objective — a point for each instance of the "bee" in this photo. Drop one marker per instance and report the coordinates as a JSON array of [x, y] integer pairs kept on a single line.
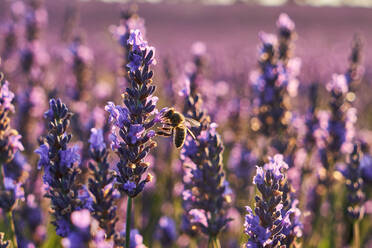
[[175, 124]]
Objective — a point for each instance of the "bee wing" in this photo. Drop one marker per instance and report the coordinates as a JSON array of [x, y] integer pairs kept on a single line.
[[191, 133], [192, 122]]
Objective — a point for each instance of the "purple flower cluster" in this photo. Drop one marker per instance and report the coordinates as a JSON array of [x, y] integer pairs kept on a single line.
[[206, 195], [132, 122], [276, 220], [271, 107], [101, 184], [342, 118], [276, 81], [60, 168]]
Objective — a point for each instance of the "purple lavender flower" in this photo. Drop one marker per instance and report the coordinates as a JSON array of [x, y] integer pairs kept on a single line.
[[206, 199], [101, 184], [341, 122], [276, 219], [270, 89], [132, 121], [60, 170], [96, 141]]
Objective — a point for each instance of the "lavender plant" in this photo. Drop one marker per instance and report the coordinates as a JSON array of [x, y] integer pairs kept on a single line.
[[10, 190], [101, 185], [272, 108], [60, 165], [276, 220], [206, 195], [133, 123]]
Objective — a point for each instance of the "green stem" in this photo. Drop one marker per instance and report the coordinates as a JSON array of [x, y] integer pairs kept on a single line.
[[214, 242], [356, 235], [11, 229], [127, 228]]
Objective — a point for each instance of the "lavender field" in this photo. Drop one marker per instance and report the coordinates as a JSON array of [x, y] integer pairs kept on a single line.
[[184, 125]]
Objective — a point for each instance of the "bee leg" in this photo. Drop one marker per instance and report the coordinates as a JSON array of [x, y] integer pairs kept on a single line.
[[191, 133]]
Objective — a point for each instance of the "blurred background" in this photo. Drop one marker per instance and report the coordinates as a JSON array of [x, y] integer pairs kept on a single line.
[[229, 30]]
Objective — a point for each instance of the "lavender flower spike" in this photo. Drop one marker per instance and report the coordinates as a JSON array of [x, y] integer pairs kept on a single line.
[[60, 170], [276, 219], [101, 184], [206, 196], [9, 145], [134, 122]]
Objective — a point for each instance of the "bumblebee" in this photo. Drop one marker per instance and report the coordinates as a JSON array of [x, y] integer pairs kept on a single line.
[[175, 124]]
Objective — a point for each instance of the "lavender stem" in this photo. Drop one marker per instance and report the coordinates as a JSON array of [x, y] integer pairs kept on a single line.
[[11, 228], [128, 221], [356, 234]]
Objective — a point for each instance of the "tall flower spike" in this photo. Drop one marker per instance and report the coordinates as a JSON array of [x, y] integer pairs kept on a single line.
[[206, 195], [101, 184], [271, 105], [134, 122], [341, 122], [60, 170], [10, 190], [275, 222]]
